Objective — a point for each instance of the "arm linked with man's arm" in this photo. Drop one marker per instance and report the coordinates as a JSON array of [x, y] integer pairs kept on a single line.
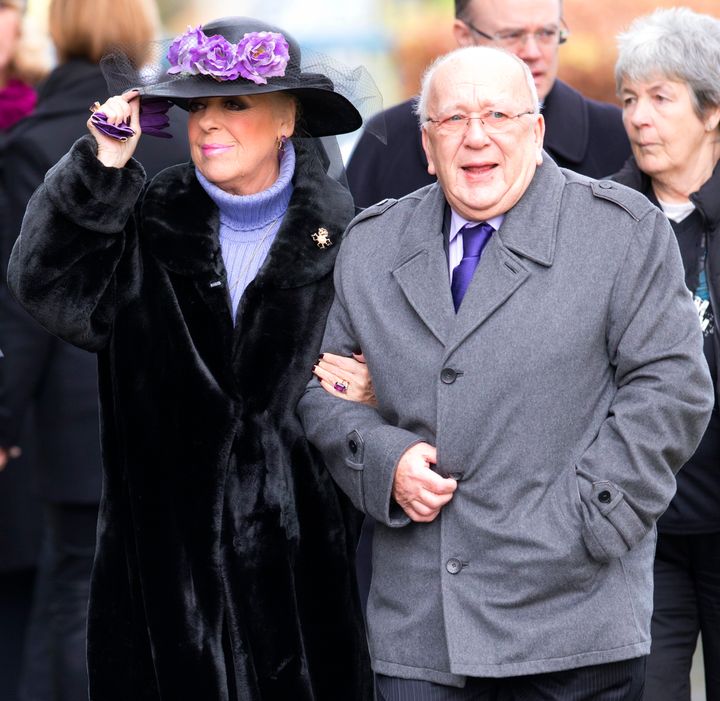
[[359, 447]]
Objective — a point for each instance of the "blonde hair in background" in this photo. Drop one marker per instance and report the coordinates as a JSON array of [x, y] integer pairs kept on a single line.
[[91, 28], [31, 61]]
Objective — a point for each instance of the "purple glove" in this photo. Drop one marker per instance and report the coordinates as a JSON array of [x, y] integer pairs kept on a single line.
[[153, 117], [153, 120]]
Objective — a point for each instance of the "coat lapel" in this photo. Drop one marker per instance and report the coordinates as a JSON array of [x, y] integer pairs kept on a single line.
[[420, 266], [306, 244], [181, 224], [291, 294], [184, 239], [526, 237]]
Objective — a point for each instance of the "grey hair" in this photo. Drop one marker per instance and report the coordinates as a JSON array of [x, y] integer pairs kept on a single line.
[[677, 44], [420, 106]]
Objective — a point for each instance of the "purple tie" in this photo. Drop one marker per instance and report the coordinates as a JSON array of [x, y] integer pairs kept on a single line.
[[475, 237]]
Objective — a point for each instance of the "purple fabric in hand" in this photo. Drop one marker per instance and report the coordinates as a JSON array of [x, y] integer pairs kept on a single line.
[[153, 121]]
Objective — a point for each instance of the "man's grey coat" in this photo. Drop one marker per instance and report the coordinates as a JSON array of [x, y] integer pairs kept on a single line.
[[564, 395]]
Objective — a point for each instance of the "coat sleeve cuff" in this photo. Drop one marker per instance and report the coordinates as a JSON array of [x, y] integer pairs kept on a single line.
[[383, 449], [90, 194], [610, 525]]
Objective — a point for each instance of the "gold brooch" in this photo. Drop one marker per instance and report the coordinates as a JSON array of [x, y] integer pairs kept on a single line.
[[322, 238]]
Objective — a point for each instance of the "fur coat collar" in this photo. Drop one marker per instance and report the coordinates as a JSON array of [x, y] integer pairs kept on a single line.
[[185, 238]]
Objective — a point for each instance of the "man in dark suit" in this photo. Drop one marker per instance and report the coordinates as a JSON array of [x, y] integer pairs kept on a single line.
[[581, 134]]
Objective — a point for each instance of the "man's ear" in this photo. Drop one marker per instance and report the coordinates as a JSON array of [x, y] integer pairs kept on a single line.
[[462, 33], [539, 132], [426, 148]]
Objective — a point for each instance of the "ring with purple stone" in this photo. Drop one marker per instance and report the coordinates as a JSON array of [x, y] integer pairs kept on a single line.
[[341, 386]]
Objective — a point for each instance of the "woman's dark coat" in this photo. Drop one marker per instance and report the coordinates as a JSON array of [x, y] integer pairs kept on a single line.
[[224, 549]]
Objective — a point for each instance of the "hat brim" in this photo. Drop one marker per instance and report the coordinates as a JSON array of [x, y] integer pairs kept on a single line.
[[324, 111]]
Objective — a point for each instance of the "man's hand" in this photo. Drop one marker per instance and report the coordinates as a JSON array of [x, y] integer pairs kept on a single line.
[[419, 491], [8, 454]]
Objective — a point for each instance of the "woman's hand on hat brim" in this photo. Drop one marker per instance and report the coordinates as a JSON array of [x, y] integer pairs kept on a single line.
[[118, 110]]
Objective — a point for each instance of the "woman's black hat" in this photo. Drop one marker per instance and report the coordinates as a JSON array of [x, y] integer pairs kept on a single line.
[[324, 111]]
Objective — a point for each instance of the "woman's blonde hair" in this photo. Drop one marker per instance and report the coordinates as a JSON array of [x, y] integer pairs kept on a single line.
[[31, 62], [90, 29]]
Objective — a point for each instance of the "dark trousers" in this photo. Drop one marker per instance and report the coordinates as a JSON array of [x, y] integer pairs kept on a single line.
[[687, 603], [55, 667], [363, 560], [617, 681], [15, 601]]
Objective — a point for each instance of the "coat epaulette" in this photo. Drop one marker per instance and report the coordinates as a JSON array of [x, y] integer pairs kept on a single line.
[[634, 203], [373, 210]]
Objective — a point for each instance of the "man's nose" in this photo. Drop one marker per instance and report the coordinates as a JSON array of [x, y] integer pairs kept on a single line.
[[475, 132], [530, 48]]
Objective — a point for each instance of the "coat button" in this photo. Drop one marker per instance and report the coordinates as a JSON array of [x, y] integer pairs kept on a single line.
[[605, 497], [353, 446], [448, 375], [453, 565]]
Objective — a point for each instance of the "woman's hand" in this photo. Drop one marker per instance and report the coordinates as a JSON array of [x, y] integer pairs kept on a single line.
[[348, 378], [114, 153]]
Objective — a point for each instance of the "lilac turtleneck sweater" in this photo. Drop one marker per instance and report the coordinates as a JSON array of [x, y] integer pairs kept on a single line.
[[248, 224]]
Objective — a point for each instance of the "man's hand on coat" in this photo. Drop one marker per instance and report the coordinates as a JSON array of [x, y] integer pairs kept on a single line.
[[419, 491]]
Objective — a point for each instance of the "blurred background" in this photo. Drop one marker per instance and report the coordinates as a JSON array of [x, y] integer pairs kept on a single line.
[[396, 39]]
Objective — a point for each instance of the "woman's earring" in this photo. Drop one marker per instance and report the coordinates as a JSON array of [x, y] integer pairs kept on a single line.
[[281, 146]]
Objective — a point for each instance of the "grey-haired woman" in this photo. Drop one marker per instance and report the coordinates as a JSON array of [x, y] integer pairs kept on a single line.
[[224, 561], [668, 80]]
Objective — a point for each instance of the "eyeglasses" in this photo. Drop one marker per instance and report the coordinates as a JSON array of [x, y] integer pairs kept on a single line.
[[493, 121], [545, 36]]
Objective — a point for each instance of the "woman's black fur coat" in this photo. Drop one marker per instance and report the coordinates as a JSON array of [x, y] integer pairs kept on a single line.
[[224, 562]]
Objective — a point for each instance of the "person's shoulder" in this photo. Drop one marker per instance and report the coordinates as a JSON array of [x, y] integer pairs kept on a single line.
[[370, 229], [566, 99], [390, 206], [610, 193], [171, 186], [566, 94], [373, 211]]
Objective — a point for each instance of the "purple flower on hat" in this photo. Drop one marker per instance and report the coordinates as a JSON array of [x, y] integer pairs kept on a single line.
[[262, 55], [220, 59], [187, 52], [257, 57]]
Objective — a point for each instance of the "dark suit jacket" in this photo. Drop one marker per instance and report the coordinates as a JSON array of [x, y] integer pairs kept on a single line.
[[581, 134], [40, 372]]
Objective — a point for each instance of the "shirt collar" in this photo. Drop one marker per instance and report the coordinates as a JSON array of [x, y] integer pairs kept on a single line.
[[457, 222]]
